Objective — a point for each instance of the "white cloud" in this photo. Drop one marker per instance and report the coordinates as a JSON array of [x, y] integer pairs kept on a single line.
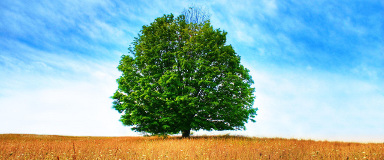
[[64, 106], [244, 37], [70, 109], [270, 7], [316, 105], [240, 20]]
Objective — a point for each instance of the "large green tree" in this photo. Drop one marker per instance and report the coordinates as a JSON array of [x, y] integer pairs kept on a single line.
[[183, 76]]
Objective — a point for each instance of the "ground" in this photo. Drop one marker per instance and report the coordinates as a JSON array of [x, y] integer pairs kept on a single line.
[[22, 146]]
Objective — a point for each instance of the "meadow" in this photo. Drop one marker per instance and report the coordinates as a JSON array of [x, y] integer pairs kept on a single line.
[[22, 146]]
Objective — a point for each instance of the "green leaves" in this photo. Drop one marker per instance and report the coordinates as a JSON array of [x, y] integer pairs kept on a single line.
[[182, 77]]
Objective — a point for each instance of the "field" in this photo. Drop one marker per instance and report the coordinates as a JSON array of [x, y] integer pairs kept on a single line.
[[17, 146]]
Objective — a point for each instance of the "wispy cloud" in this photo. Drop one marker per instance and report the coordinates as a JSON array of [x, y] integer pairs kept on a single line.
[[58, 61], [321, 34]]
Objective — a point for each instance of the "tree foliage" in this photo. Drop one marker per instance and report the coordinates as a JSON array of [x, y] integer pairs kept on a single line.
[[181, 77]]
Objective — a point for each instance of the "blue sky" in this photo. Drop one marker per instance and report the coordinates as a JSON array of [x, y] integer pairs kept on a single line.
[[318, 65]]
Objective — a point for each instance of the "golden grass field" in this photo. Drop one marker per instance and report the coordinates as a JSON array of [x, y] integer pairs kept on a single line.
[[19, 146]]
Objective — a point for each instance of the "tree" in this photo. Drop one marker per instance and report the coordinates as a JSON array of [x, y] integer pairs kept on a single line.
[[196, 15], [182, 77]]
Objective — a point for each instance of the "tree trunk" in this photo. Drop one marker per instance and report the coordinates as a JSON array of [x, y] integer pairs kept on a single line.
[[185, 133]]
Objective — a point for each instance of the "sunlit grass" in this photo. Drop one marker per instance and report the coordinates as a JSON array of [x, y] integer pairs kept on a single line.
[[15, 146]]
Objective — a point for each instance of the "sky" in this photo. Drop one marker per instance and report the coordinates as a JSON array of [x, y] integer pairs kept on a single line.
[[317, 66]]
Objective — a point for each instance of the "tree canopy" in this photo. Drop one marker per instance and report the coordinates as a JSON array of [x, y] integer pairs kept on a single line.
[[180, 77]]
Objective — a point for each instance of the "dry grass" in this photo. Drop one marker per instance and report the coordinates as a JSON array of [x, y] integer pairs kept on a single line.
[[15, 146]]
